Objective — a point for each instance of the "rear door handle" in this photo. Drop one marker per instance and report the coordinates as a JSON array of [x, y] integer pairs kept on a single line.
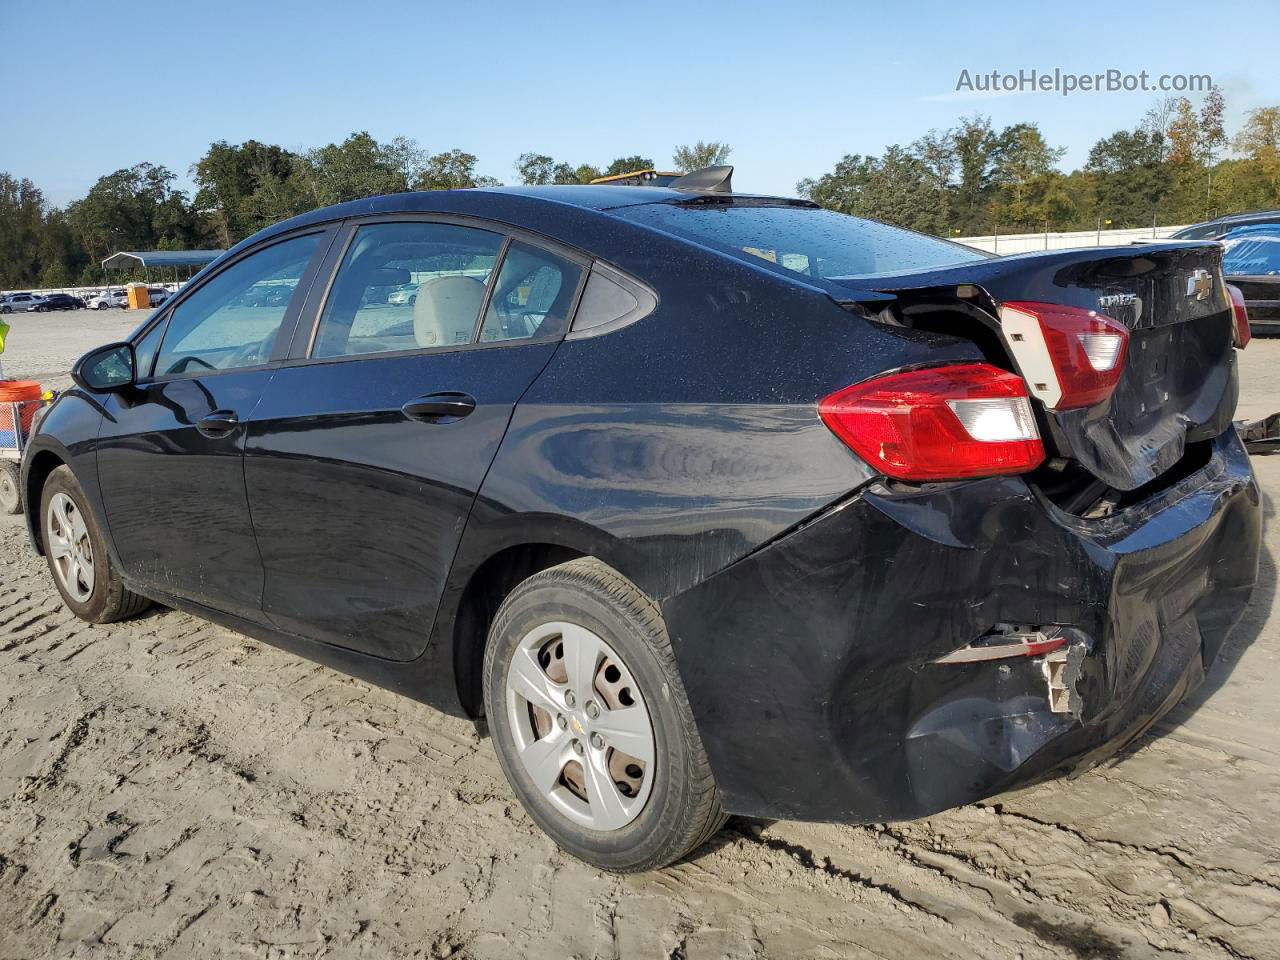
[[445, 407], [220, 423]]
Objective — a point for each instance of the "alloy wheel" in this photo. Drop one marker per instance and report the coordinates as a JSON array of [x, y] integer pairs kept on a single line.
[[582, 730], [70, 548]]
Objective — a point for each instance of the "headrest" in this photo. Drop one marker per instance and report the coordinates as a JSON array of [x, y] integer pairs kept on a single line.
[[445, 310]]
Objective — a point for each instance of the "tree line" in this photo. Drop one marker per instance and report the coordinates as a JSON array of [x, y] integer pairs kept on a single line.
[[1177, 164], [241, 188]]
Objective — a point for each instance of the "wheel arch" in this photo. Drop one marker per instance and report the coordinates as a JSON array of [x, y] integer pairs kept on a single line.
[[493, 561], [42, 463]]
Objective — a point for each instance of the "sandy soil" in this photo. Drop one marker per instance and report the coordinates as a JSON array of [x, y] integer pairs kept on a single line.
[[170, 789]]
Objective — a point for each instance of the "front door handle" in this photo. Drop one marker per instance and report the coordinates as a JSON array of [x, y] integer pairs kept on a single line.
[[443, 407], [218, 424]]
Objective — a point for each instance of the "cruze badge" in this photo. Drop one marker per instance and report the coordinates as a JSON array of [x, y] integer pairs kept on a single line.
[[1117, 300]]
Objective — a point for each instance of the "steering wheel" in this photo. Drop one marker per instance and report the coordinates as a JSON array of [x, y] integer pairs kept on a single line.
[[252, 354]]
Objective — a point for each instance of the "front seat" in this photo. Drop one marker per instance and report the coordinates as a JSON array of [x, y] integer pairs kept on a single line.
[[446, 309]]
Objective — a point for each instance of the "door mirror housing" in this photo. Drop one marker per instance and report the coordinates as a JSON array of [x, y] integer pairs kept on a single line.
[[106, 368]]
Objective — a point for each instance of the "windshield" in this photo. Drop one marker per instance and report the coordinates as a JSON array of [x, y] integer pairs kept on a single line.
[[1252, 251], [805, 240]]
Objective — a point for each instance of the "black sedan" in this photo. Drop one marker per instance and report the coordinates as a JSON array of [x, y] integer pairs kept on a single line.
[[57, 301], [709, 503]]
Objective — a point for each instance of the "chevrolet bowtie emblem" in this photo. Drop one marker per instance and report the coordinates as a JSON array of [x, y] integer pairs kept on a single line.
[[1199, 284]]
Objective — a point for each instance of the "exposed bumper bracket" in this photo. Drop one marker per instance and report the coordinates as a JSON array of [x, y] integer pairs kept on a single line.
[[1260, 436]]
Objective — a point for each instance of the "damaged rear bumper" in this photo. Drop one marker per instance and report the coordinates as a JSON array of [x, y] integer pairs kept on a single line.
[[810, 663]]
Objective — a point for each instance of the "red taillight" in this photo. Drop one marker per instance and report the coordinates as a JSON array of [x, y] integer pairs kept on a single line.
[[1070, 357], [1241, 314], [940, 423]]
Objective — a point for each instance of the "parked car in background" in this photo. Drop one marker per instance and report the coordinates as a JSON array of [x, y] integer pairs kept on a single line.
[[20, 302], [57, 301], [709, 503], [157, 295], [1251, 264], [108, 299], [1220, 226]]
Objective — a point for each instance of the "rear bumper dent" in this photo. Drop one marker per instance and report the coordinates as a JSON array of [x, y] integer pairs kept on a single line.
[[810, 668]]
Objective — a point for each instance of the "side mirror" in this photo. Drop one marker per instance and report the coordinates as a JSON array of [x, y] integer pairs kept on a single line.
[[106, 368]]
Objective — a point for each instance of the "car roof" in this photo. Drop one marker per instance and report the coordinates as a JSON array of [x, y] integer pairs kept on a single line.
[[496, 203]]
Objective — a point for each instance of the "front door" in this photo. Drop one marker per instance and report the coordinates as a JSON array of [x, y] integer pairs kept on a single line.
[[171, 450], [364, 458]]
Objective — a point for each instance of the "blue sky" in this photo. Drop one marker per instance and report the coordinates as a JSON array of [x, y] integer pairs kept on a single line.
[[792, 86]]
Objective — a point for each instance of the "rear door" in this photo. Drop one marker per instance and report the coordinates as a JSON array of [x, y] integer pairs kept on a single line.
[[170, 451], [366, 451]]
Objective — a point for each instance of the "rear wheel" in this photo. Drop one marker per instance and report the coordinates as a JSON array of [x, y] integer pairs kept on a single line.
[[590, 720], [10, 498], [76, 551]]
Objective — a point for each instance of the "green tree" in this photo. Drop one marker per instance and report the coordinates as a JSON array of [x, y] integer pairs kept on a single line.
[[628, 164], [1024, 169], [976, 146], [21, 218], [898, 188], [137, 209], [1131, 183], [358, 167], [1259, 142], [245, 187], [687, 159], [451, 170]]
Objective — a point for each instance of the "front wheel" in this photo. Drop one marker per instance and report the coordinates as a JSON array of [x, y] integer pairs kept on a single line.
[[76, 551], [590, 720], [101, 306]]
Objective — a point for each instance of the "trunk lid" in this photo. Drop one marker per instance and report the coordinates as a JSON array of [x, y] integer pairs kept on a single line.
[[1178, 385]]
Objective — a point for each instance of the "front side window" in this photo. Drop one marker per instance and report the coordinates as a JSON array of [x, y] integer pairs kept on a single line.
[[805, 240], [232, 320], [533, 295], [407, 286]]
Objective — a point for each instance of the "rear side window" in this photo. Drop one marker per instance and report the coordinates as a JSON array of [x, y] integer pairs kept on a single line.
[[804, 240], [407, 286], [232, 320], [533, 296]]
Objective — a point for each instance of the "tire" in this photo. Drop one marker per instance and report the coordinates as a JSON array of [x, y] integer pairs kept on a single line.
[[101, 596], [6, 310], [10, 492], [102, 305], [645, 821]]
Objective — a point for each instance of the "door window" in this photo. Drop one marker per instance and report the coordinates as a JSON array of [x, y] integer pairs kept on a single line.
[[232, 320], [533, 295], [407, 286]]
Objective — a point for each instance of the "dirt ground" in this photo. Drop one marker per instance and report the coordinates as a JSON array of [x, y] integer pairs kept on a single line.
[[171, 789]]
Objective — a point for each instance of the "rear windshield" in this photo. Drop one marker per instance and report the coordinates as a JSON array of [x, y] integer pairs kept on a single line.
[[815, 243], [1252, 251]]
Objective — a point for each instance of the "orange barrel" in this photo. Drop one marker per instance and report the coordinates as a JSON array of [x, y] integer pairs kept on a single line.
[[26, 392]]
